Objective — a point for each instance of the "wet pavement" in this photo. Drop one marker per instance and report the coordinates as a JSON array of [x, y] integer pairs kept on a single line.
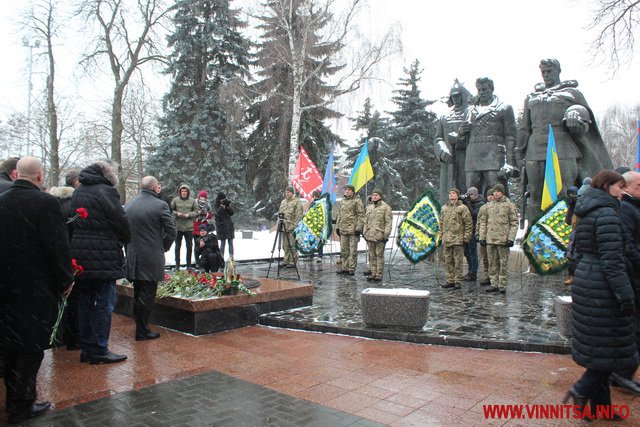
[[523, 319], [265, 376]]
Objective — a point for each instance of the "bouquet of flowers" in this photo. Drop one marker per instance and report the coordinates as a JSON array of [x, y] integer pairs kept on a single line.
[[193, 285], [80, 213], [77, 270]]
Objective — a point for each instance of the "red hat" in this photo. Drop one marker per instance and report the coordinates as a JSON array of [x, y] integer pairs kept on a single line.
[[203, 193]]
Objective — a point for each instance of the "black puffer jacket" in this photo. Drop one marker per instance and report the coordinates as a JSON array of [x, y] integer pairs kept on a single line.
[[97, 241], [630, 214], [224, 223], [603, 336]]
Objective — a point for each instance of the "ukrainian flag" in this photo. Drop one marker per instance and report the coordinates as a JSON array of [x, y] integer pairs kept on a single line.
[[552, 177], [362, 170]]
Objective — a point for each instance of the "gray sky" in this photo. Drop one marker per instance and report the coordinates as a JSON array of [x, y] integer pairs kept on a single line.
[[504, 40]]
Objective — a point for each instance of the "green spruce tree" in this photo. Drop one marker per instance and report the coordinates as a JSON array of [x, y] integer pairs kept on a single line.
[[200, 143], [410, 137]]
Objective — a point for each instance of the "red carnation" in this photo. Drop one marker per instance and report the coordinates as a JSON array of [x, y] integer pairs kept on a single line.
[[82, 213]]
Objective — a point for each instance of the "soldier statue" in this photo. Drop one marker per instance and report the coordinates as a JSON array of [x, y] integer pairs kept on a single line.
[[491, 132], [449, 143], [581, 151]]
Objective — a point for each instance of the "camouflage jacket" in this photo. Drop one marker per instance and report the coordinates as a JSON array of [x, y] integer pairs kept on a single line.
[[292, 209], [499, 222], [350, 216], [377, 224], [456, 224]]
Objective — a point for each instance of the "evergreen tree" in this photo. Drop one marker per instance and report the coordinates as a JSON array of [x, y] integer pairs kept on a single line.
[[271, 112], [200, 142], [410, 137], [374, 127]]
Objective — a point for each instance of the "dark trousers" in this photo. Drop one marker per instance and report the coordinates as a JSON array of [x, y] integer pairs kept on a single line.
[[20, 375], [223, 244], [471, 254], [95, 307], [210, 261], [188, 240], [144, 297], [594, 385]]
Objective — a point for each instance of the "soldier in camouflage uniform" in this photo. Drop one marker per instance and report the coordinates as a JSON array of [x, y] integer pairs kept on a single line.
[[456, 226], [498, 232], [349, 225], [292, 210], [482, 250], [377, 228]]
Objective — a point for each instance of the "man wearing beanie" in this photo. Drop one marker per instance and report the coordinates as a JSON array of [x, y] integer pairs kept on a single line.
[[456, 226], [184, 209], [377, 228], [498, 232], [482, 250], [474, 202], [292, 210], [349, 225]]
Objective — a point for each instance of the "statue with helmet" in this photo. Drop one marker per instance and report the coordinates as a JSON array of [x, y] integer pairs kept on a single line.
[[450, 142], [581, 151]]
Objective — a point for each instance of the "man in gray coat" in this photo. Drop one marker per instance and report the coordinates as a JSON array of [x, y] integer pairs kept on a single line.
[[153, 231]]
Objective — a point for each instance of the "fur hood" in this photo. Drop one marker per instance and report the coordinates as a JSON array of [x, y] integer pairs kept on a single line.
[[62, 192]]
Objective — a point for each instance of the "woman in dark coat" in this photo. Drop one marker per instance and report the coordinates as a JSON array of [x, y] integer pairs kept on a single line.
[[603, 325], [96, 244], [224, 224]]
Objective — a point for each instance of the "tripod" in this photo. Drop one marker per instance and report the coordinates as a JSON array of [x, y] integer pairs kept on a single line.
[[277, 241]]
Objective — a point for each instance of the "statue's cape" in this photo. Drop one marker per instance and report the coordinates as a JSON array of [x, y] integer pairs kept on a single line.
[[595, 156]]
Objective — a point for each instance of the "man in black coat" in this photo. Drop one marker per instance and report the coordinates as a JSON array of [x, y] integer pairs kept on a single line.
[[8, 173], [35, 269], [630, 215], [96, 244], [153, 231]]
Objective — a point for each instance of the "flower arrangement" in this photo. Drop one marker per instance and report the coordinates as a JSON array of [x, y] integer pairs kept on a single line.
[[193, 285]]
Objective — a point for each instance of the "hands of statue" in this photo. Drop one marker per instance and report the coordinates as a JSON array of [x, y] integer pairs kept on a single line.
[[463, 129], [446, 157], [575, 125]]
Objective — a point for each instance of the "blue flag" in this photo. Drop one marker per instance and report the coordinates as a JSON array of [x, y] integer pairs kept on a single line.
[[329, 181]]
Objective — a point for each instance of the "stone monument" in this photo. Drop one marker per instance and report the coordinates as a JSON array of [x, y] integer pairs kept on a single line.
[[581, 151]]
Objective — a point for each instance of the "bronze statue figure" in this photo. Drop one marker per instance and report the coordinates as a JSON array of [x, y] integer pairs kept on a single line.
[[581, 151], [491, 131], [449, 143]]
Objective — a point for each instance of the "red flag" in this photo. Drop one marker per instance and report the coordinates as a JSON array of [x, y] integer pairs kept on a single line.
[[306, 177]]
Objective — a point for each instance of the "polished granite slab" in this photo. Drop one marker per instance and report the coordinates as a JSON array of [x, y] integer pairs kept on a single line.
[[212, 315], [522, 319]]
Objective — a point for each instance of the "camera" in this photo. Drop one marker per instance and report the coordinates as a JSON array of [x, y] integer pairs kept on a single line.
[[463, 197], [226, 202], [280, 215]]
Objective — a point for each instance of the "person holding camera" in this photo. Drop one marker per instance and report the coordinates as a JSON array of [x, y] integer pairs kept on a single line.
[[224, 224], [289, 215], [377, 228], [208, 256], [349, 225]]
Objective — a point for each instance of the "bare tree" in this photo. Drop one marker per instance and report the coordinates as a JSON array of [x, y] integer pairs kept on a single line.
[[618, 127], [41, 20], [128, 40], [302, 21], [615, 22]]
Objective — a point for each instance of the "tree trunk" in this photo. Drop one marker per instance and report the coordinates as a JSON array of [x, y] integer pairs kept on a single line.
[[116, 137]]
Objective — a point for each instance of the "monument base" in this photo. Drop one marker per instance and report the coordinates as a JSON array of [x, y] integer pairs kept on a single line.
[[199, 317]]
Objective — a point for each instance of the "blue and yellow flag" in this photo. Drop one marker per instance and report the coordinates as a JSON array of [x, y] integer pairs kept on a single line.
[[362, 170], [552, 178]]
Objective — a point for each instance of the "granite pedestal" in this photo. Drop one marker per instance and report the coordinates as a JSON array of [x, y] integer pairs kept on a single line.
[[406, 308], [562, 306], [212, 315]]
